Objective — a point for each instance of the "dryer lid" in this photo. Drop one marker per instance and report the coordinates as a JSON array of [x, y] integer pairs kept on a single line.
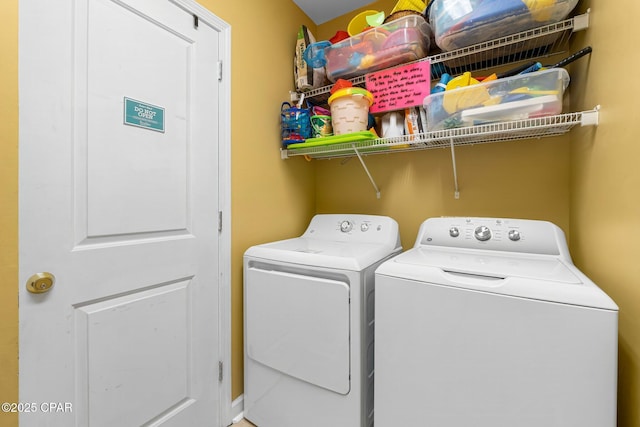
[[323, 253], [339, 241]]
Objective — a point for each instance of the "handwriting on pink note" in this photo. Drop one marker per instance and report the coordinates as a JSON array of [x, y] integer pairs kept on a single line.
[[400, 87]]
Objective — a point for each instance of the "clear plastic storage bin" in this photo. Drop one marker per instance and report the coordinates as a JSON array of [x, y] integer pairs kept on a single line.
[[403, 40], [462, 23], [513, 98]]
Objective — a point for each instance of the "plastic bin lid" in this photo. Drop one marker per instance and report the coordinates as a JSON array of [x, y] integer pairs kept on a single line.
[[348, 91]]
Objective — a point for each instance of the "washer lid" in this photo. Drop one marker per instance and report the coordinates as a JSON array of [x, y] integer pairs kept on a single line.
[[323, 253], [539, 277], [492, 265]]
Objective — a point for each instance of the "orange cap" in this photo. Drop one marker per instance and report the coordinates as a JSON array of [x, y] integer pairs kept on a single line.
[[341, 84]]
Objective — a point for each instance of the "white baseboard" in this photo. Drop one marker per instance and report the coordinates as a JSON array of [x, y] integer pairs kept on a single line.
[[237, 409]]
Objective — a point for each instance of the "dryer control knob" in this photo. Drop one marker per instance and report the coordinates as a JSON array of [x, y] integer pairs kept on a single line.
[[454, 232], [346, 226], [514, 235], [483, 233]]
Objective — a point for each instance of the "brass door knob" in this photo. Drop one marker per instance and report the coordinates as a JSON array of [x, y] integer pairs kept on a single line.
[[40, 283]]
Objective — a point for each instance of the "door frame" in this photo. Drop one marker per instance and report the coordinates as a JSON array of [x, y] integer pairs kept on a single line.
[[206, 17]]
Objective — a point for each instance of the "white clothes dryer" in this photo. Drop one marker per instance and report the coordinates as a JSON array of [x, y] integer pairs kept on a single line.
[[487, 323], [308, 323]]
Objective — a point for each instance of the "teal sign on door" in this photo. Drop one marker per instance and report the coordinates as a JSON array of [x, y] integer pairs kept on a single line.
[[143, 115]]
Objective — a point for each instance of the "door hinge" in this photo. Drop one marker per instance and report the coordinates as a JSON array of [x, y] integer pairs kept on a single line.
[[220, 369], [219, 71], [219, 221]]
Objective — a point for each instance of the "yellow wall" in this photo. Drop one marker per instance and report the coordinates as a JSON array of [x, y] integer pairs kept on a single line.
[[514, 179], [605, 177], [8, 207]]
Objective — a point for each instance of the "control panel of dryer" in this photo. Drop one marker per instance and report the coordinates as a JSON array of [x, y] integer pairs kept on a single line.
[[353, 228], [497, 234]]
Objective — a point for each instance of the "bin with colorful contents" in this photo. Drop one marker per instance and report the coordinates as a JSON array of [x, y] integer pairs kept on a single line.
[[519, 97], [402, 40]]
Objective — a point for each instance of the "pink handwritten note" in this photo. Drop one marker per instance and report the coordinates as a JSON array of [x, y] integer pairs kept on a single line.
[[400, 87]]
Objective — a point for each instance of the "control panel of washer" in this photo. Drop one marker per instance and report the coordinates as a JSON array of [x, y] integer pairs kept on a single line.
[[484, 233], [499, 234]]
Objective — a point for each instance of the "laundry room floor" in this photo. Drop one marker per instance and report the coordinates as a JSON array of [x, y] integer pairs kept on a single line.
[[244, 423]]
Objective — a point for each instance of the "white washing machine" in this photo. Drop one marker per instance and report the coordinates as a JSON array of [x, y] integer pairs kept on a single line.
[[308, 315], [487, 323]]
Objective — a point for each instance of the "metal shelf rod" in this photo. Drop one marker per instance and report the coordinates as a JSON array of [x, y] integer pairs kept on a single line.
[[366, 170], [456, 193]]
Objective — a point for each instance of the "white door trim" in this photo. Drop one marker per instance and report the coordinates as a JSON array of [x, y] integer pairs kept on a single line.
[[206, 17]]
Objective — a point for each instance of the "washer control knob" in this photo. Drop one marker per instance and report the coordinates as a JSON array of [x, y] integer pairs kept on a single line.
[[346, 226], [514, 235], [483, 233], [454, 232], [364, 227]]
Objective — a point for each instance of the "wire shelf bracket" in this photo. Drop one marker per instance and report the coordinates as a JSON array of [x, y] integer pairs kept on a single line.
[[590, 118], [456, 193], [364, 165]]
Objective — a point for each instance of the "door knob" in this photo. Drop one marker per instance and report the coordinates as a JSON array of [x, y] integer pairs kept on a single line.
[[40, 283]]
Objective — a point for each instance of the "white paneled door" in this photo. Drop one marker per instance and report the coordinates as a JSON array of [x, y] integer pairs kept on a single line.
[[119, 210]]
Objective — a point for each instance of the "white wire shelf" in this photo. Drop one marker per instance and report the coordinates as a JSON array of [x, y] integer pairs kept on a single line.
[[527, 45], [503, 131]]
